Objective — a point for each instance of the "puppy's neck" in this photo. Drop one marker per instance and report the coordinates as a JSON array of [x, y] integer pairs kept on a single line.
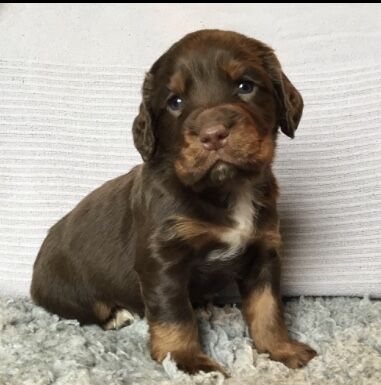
[[226, 195], [215, 197], [209, 196]]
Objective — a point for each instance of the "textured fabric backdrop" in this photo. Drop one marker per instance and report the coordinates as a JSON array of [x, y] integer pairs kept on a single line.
[[70, 86]]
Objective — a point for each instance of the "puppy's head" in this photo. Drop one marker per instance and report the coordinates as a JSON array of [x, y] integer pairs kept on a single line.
[[212, 106]]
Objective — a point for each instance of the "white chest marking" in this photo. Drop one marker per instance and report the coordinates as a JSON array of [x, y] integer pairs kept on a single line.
[[236, 237]]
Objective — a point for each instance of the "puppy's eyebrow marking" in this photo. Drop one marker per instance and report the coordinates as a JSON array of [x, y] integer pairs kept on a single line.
[[177, 83], [234, 68], [237, 69]]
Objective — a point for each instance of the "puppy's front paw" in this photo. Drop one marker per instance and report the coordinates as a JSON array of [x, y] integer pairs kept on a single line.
[[293, 354], [194, 363]]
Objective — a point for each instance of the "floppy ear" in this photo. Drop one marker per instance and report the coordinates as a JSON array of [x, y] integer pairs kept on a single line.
[[290, 102], [142, 129], [291, 106]]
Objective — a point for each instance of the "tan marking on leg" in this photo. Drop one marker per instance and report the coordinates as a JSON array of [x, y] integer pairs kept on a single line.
[[194, 232], [121, 318], [263, 314], [173, 338], [102, 311], [181, 341]]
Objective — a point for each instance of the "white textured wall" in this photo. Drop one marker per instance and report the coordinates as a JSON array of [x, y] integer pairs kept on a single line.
[[69, 88]]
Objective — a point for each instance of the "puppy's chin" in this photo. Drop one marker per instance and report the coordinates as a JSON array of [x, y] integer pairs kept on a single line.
[[225, 176], [222, 173]]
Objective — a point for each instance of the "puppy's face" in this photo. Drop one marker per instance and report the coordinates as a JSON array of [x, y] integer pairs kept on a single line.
[[212, 105]]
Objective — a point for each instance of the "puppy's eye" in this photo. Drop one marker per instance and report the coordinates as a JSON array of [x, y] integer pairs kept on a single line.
[[245, 87], [175, 103]]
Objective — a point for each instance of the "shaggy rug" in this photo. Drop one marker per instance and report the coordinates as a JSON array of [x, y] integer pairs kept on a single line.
[[37, 348]]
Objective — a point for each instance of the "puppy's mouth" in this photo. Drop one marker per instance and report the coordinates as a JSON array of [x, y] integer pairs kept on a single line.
[[223, 174], [215, 168]]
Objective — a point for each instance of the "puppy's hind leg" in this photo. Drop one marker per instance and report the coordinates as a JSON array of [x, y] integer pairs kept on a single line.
[[114, 318]]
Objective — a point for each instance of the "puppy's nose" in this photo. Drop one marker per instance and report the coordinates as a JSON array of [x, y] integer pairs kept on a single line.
[[214, 137]]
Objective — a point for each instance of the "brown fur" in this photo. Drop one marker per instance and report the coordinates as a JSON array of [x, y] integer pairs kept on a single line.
[[182, 342], [263, 316], [177, 83], [177, 339], [192, 220], [196, 232], [234, 68], [262, 311], [102, 311]]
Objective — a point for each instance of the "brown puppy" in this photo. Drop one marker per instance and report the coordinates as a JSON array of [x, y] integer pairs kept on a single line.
[[199, 214]]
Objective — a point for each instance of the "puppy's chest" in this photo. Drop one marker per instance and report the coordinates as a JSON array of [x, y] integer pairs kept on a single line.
[[236, 237]]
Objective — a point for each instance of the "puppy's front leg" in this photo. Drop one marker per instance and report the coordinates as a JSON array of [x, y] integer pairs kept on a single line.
[[172, 324], [262, 309]]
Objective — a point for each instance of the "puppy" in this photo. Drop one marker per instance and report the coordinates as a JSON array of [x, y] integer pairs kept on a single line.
[[197, 215]]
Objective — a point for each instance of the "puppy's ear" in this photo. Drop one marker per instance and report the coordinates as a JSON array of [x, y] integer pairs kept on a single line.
[[290, 102], [142, 129], [291, 106]]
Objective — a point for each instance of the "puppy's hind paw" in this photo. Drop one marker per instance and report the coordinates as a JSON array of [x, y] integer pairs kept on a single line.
[[120, 319]]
